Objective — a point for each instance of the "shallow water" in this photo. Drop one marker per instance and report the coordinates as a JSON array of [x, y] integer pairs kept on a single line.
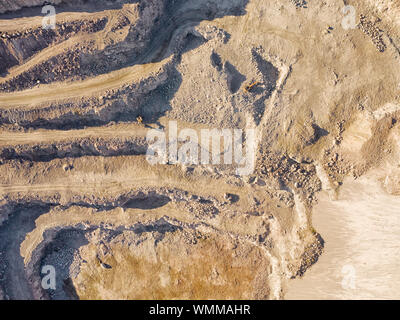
[[362, 245]]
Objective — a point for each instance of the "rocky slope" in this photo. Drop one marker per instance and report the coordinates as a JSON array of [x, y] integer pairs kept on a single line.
[[76, 103]]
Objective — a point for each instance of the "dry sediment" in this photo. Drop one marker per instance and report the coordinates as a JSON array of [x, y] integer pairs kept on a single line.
[[77, 192]]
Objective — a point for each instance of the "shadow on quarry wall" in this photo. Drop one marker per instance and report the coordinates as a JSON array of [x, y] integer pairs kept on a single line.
[[87, 6], [74, 149], [149, 202], [12, 234], [61, 253]]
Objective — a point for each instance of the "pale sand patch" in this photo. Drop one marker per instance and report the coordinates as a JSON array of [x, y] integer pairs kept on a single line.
[[362, 234]]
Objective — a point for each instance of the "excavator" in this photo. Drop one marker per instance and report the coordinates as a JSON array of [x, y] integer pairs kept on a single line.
[[250, 86]]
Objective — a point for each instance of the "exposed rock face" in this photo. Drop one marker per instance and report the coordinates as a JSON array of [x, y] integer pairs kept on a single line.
[[13, 5], [77, 103]]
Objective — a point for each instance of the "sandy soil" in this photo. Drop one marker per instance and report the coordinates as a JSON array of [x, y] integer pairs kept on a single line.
[[361, 256], [76, 190]]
